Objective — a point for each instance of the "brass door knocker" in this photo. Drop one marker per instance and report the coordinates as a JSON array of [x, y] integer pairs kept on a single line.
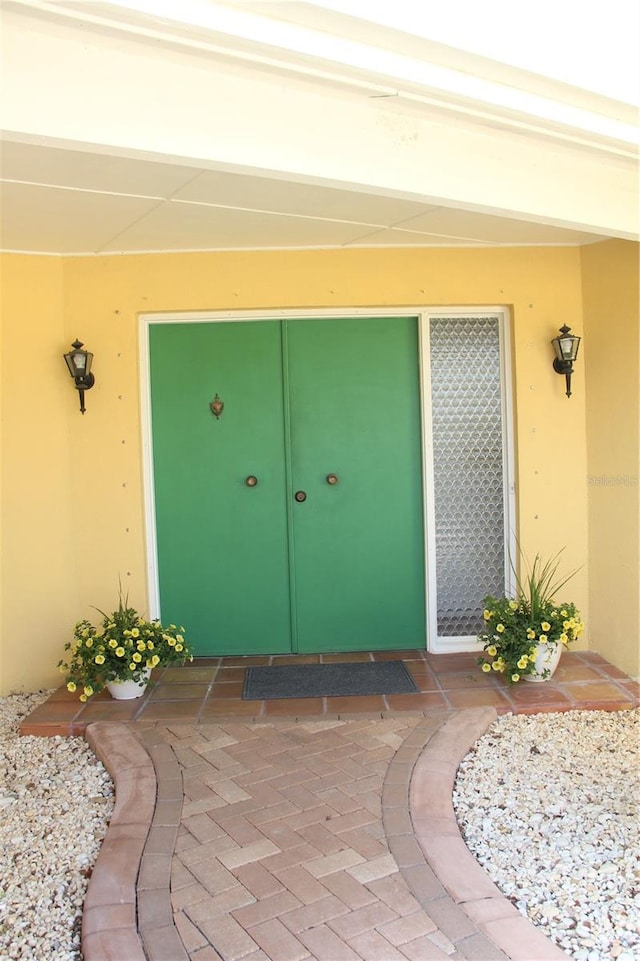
[[216, 406]]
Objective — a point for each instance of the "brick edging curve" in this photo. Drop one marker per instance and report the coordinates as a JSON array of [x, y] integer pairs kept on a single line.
[[424, 837], [127, 909]]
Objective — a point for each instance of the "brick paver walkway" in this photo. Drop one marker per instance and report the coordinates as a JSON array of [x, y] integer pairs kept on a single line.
[[281, 851], [304, 828], [292, 840]]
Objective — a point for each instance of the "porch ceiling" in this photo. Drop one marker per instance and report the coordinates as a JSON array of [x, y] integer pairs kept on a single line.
[[146, 126]]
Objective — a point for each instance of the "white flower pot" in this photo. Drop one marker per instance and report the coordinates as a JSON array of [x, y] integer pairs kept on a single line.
[[547, 659], [126, 690]]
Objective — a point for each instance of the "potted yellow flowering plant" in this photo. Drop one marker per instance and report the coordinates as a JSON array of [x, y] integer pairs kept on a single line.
[[120, 653], [524, 635]]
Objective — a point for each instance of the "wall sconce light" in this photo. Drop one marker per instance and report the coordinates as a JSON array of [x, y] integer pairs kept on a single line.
[[79, 363], [566, 349]]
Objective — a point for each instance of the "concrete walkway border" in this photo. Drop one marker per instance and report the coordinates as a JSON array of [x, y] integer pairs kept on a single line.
[[127, 911]]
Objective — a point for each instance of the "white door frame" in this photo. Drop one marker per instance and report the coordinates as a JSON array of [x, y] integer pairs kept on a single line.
[[423, 316], [438, 644]]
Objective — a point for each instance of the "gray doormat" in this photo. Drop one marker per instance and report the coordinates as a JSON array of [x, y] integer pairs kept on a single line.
[[328, 680]]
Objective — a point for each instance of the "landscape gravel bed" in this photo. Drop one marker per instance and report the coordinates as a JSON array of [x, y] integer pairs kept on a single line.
[[55, 803], [549, 806]]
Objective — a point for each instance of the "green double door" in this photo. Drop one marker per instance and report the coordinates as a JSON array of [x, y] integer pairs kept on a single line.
[[292, 521]]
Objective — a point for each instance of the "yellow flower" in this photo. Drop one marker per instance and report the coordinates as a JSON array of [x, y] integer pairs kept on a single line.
[[136, 657], [83, 697], [113, 643], [523, 662], [545, 626], [88, 690], [543, 638], [71, 686], [135, 632], [171, 641], [499, 628], [513, 605], [179, 647], [150, 645], [496, 666], [531, 634], [515, 677], [492, 650], [564, 613], [155, 660], [532, 658], [132, 666], [119, 651], [141, 646], [486, 667], [89, 642], [179, 638], [99, 658], [564, 638], [487, 614]]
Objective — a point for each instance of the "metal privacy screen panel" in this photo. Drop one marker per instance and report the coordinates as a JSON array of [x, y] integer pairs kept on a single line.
[[468, 468], [328, 680]]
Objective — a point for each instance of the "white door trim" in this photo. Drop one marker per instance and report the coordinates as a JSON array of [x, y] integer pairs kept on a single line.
[[438, 644], [422, 315]]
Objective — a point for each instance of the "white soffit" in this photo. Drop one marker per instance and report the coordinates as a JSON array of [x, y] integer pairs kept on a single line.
[[175, 226], [205, 125], [303, 199], [184, 208]]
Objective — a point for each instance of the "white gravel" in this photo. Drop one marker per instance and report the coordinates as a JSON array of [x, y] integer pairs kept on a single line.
[[55, 803], [549, 806]]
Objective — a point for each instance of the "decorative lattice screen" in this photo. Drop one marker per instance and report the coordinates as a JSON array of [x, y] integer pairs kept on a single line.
[[468, 469]]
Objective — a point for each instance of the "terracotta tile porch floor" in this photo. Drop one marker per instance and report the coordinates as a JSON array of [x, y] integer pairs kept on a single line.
[[210, 689]]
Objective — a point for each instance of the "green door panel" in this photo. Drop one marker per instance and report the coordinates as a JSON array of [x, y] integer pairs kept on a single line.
[[358, 545], [222, 546], [250, 570]]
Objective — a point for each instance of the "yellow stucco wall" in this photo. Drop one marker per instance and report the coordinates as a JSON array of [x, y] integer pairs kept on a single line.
[[39, 559], [95, 469], [611, 320]]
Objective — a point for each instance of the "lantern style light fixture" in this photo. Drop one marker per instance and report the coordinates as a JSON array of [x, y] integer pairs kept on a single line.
[[79, 363], [566, 347]]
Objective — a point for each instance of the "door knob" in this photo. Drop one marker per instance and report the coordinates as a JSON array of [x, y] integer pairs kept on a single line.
[[251, 481], [332, 479], [300, 496]]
